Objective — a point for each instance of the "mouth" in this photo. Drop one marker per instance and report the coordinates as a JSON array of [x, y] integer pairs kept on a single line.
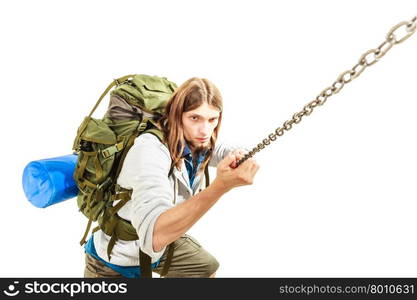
[[203, 140]]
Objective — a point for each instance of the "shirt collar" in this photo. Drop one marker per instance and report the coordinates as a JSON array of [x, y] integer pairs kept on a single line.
[[187, 150]]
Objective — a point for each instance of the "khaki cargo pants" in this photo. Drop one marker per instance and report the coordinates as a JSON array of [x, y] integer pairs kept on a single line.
[[189, 260]]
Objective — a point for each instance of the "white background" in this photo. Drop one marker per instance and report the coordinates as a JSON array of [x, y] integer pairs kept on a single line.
[[334, 197]]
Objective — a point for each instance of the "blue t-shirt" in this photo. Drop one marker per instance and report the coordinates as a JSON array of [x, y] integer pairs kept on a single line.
[[134, 271]]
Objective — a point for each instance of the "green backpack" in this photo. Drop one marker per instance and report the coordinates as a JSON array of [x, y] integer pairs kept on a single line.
[[136, 104]]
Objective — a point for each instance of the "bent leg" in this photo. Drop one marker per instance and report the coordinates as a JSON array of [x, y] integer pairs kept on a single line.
[[190, 259]]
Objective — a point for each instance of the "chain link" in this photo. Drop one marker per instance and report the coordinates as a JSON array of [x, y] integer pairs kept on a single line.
[[398, 34]]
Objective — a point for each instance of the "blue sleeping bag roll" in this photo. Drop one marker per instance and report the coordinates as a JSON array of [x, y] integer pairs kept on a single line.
[[50, 181]]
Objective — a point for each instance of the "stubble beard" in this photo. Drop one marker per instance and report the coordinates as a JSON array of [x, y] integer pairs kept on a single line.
[[199, 147]]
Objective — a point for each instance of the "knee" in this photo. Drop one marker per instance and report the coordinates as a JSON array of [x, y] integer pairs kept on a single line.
[[212, 266]]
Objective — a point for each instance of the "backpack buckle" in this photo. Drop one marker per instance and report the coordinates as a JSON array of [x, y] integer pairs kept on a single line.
[[111, 150], [105, 153], [104, 184], [142, 126]]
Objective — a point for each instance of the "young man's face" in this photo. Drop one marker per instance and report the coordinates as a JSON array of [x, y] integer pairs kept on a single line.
[[199, 124]]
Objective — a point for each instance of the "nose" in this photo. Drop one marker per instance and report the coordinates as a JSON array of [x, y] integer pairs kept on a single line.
[[205, 129]]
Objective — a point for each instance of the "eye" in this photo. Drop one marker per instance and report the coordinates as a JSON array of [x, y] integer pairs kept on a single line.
[[194, 118], [213, 120]]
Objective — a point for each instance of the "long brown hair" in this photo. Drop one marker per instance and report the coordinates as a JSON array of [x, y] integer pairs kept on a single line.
[[189, 96]]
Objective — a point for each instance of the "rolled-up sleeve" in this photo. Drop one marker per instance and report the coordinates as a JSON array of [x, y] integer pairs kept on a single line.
[[145, 171]]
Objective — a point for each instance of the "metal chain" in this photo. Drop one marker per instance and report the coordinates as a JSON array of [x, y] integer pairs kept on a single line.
[[369, 58]]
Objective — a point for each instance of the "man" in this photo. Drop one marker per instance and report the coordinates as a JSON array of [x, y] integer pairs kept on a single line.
[[162, 208]]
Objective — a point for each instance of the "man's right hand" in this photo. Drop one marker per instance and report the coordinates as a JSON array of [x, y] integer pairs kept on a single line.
[[229, 177]]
